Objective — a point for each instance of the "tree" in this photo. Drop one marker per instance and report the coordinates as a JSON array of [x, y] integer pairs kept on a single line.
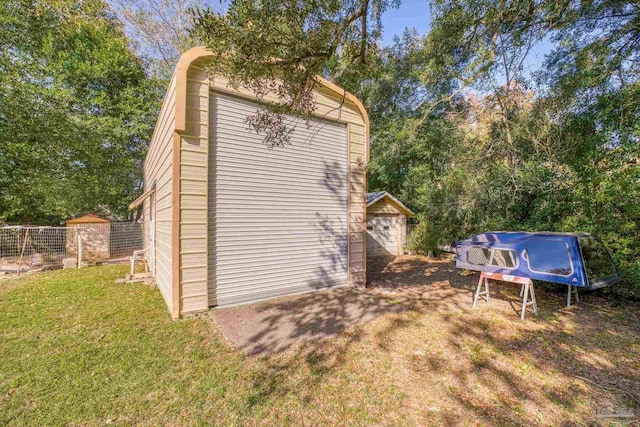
[[279, 46], [593, 75], [548, 151], [159, 30], [76, 112]]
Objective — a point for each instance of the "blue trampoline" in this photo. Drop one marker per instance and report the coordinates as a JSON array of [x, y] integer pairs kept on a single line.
[[579, 260]]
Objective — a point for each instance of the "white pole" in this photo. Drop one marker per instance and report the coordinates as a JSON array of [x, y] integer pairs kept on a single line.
[[79, 246]]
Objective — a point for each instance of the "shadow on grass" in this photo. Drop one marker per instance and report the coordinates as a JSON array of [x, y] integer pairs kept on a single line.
[[475, 363], [277, 325], [508, 371]]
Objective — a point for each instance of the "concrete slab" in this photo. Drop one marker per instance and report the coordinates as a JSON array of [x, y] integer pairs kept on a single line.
[[275, 325]]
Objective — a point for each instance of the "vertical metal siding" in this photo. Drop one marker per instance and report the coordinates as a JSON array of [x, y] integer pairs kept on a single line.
[[277, 218]]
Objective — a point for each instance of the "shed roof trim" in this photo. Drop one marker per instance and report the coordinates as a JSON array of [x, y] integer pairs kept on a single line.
[[87, 218], [379, 195]]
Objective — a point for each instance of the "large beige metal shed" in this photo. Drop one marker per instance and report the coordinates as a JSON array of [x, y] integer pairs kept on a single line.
[[386, 224], [228, 220]]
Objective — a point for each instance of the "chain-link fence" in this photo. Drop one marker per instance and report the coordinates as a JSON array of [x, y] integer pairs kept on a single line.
[[29, 248]]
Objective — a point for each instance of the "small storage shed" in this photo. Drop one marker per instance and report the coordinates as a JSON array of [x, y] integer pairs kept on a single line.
[[230, 221], [386, 224], [94, 231]]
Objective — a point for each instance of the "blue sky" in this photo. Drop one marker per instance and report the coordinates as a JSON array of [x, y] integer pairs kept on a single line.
[[416, 14], [411, 13]]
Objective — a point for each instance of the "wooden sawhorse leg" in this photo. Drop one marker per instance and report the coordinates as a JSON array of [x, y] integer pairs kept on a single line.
[[481, 281], [528, 294]]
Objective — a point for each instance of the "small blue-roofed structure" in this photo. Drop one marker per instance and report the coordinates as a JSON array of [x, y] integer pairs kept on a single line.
[[571, 259]]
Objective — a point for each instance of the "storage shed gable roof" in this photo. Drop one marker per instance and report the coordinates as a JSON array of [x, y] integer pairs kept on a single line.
[[87, 219], [377, 196]]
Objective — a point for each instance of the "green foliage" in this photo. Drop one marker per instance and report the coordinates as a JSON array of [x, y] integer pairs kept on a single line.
[[76, 112], [461, 131], [482, 147], [278, 47], [158, 30]]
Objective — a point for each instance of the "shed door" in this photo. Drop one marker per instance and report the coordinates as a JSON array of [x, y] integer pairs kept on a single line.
[[277, 218], [382, 235]]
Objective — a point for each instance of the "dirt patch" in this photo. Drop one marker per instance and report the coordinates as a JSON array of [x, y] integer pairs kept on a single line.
[[425, 357], [421, 279], [485, 361]]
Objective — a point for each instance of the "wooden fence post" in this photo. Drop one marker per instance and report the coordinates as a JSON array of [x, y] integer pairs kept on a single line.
[[24, 246]]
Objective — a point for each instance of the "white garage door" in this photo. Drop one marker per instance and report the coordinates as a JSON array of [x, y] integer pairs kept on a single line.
[[382, 235], [278, 218]]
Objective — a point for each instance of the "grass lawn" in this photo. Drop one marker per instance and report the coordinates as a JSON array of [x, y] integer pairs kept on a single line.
[[77, 349]]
